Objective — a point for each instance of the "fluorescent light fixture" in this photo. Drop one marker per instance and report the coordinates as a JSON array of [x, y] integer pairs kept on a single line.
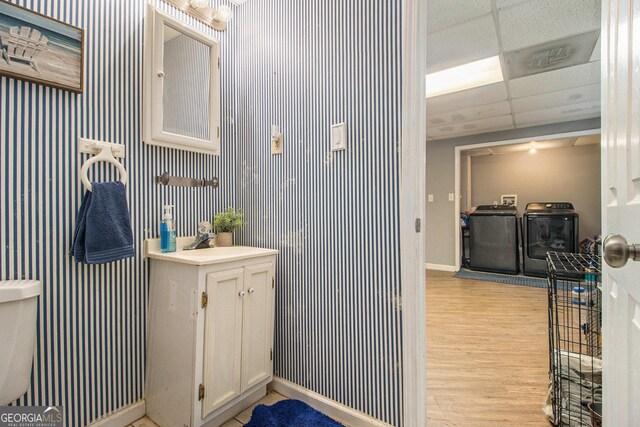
[[467, 76]]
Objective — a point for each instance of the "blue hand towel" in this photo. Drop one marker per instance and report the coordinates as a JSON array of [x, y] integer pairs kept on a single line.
[[103, 227]]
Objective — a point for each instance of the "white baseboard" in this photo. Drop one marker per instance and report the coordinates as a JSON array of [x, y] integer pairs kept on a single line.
[[440, 267], [123, 417], [335, 410]]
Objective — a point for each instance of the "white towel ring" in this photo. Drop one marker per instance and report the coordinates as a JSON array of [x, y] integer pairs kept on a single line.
[[105, 155]]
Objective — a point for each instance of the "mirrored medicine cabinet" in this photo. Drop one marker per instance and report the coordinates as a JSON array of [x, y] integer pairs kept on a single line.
[[181, 85]]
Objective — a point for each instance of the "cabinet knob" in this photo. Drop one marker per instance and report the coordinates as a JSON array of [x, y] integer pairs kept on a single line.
[[251, 290], [242, 293]]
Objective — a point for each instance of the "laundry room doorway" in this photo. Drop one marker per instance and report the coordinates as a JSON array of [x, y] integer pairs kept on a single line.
[[560, 168]]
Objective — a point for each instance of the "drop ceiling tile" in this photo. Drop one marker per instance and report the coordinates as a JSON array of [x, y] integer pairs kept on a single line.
[[468, 42], [504, 149], [448, 13], [560, 114], [558, 120], [469, 128], [539, 21], [539, 145], [588, 140], [555, 80], [557, 99], [467, 99], [479, 152], [501, 4], [595, 56], [555, 143], [469, 114], [478, 132]]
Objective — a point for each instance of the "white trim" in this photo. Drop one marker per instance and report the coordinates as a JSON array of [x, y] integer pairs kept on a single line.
[[461, 148], [123, 417], [333, 409], [412, 209], [440, 267]]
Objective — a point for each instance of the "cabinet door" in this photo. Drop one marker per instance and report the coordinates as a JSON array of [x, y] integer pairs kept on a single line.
[[222, 339], [257, 325]]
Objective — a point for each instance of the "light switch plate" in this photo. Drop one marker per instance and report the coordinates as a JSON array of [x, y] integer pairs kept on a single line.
[[431, 197], [276, 140], [338, 136], [451, 197]]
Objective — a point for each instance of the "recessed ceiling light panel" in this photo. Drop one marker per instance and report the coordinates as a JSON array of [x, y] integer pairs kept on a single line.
[[467, 76]]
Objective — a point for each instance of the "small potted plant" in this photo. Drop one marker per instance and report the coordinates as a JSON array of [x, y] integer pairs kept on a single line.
[[225, 223]]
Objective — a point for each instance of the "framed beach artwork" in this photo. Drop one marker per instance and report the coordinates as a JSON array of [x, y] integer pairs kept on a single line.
[[40, 49]]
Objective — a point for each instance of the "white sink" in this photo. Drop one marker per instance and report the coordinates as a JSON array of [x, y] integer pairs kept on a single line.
[[203, 256]]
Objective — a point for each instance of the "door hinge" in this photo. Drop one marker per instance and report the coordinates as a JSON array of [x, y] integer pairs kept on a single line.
[[205, 300], [273, 283], [218, 132], [418, 225], [201, 392], [218, 63], [271, 355]]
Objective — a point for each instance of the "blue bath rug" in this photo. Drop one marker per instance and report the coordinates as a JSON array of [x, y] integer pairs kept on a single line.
[[519, 280], [289, 413]]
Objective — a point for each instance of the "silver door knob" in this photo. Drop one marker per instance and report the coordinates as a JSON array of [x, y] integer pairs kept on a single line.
[[160, 73], [617, 251], [242, 293], [251, 290]]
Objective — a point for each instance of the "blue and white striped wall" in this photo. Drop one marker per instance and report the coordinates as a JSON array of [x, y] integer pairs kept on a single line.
[[334, 216], [90, 352]]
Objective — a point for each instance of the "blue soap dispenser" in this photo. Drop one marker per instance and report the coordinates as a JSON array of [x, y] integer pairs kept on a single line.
[[167, 230]]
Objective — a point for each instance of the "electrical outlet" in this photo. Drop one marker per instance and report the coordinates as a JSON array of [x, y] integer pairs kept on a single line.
[[431, 197], [276, 140]]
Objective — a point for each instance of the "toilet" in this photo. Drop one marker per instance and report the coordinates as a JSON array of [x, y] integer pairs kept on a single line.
[[18, 310]]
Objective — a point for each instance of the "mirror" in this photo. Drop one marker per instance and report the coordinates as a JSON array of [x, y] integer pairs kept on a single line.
[[182, 86]]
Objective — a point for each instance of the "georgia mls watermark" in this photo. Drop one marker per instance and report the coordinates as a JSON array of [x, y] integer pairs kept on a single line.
[[31, 416]]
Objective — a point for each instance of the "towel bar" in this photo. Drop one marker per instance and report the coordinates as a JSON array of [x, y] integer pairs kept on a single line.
[[178, 181]]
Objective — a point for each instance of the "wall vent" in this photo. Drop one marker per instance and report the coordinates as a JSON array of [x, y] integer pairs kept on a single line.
[[562, 53]]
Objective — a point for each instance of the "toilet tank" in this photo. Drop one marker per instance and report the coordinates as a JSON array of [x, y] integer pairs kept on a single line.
[[18, 313]]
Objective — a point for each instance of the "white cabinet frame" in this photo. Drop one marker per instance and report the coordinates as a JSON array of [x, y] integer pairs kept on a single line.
[[154, 132]]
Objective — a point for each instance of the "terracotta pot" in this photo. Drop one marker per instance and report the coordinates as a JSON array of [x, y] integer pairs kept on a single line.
[[224, 239]]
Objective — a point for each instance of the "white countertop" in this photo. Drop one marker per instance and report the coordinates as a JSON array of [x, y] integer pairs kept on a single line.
[[203, 256]]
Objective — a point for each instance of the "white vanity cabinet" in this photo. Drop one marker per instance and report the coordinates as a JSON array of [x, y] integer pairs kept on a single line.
[[210, 333]]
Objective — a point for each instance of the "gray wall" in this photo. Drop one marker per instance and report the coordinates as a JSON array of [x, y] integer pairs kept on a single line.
[[440, 238], [555, 175]]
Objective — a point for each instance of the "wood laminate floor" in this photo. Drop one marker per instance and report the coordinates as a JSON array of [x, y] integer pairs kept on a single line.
[[487, 353]]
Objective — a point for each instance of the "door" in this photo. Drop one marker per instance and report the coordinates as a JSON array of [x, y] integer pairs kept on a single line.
[[222, 338], [621, 208], [257, 327]]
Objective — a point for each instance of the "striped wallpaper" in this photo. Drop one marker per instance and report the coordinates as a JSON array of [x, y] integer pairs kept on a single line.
[[334, 216], [90, 351]]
